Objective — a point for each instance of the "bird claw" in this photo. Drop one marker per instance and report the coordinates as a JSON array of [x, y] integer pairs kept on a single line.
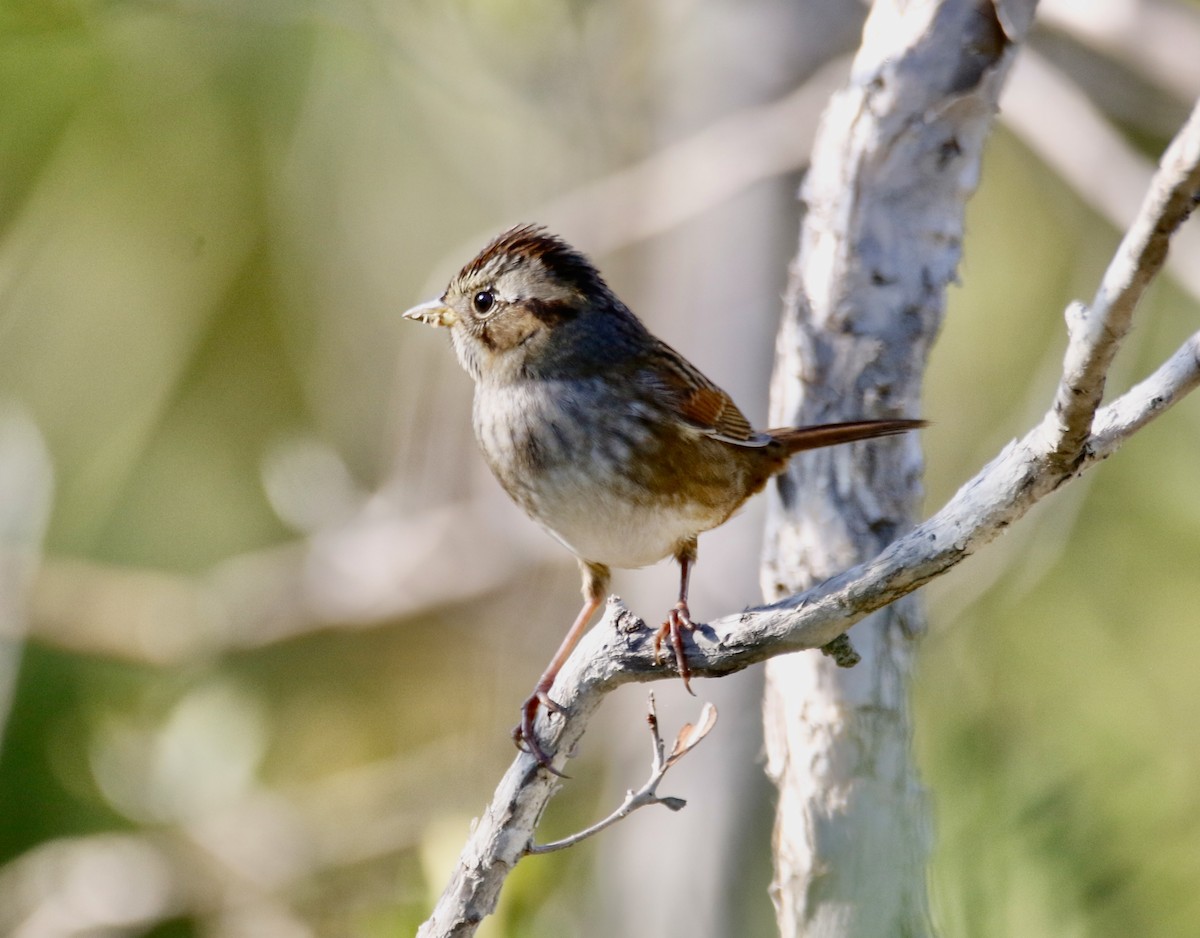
[[523, 733], [678, 619]]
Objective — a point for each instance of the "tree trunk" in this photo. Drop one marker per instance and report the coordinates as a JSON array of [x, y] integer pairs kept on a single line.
[[895, 161]]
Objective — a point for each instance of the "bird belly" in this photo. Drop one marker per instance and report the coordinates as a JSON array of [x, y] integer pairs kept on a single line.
[[603, 526], [574, 462]]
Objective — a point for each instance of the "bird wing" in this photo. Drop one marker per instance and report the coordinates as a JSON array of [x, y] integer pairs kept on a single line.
[[699, 404]]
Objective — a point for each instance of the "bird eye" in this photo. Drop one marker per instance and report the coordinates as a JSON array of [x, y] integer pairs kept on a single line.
[[483, 302]]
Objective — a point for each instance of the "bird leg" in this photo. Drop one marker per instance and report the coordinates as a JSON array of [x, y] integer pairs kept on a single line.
[[679, 618], [595, 583]]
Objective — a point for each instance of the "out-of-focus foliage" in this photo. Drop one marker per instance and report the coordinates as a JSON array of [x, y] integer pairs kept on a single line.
[[256, 676]]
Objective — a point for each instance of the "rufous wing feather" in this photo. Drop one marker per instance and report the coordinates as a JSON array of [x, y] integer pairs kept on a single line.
[[713, 410], [700, 404]]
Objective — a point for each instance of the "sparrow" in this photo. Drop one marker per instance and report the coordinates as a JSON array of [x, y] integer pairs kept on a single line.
[[605, 435]]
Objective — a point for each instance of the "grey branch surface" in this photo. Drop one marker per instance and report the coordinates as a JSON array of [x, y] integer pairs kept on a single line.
[[1073, 436]]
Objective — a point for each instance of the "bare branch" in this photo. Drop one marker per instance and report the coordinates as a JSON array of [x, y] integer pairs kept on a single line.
[[1096, 333], [689, 737], [619, 650], [1114, 424]]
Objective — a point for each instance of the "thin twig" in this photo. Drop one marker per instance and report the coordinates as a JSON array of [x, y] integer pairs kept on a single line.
[[689, 737]]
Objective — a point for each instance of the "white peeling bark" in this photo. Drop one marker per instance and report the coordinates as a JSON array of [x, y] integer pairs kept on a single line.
[[896, 158]]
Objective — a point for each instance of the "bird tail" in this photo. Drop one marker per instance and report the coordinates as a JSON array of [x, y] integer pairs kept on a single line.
[[796, 439]]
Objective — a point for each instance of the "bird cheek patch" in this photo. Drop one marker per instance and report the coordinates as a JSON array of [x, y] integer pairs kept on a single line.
[[550, 312]]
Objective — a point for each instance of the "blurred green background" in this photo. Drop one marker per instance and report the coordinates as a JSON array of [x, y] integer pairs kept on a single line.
[[265, 619]]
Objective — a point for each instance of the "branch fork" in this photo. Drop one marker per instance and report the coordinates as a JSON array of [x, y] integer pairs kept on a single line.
[[690, 736]]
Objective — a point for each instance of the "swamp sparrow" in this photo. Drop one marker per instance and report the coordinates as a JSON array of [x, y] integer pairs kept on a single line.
[[607, 437]]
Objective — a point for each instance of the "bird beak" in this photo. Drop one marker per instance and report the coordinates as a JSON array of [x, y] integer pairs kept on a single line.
[[433, 313]]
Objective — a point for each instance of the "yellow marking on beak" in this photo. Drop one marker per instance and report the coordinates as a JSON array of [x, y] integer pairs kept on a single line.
[[433, 313]]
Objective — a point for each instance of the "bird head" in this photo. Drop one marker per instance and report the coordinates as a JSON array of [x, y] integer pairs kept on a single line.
[[505, 308]]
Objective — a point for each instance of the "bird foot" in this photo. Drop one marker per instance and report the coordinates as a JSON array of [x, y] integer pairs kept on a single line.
[[678, 619], [523, 733]]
